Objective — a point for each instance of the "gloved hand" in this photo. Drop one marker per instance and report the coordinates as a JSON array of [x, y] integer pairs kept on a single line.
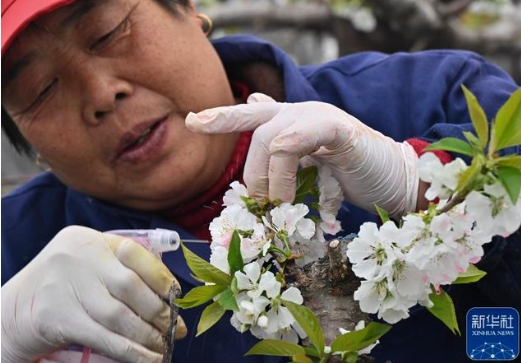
[[371, 168], [92, 289]]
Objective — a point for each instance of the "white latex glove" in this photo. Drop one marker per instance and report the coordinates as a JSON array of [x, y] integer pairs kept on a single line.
[[372, 168], [88, 288], [71, 356]]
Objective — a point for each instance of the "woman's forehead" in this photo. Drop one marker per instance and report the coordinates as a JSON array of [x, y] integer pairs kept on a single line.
[[67, 17]]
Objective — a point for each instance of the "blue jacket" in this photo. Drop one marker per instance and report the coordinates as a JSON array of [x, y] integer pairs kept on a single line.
[[402, 95]]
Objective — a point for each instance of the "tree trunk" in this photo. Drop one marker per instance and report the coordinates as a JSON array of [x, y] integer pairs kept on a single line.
[[327, 286]]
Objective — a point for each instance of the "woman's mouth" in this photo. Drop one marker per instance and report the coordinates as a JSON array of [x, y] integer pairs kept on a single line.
[[142, 138], [143, 143]]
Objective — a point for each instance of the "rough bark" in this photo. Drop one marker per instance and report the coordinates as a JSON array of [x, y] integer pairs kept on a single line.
[[169, 337], [327, 287]]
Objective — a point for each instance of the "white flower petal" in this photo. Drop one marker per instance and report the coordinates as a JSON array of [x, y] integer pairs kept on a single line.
[[269, 284], [292, 294], [243, 281], [252, 270]]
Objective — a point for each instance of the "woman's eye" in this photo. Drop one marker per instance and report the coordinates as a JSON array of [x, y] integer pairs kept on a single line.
[[120, 29], [42, 96]]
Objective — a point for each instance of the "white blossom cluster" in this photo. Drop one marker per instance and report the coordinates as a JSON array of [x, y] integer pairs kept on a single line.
[[400, 265], [286, 228]]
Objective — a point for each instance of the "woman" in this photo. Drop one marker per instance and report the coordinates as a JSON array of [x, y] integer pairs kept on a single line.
[[112, 95]]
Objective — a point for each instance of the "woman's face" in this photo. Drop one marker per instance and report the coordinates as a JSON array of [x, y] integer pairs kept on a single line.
[[101, 89]]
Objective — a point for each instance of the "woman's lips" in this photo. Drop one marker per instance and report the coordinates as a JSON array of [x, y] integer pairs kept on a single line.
[[143, 145]]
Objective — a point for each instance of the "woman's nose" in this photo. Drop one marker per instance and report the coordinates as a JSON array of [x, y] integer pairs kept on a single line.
[[103, 94]]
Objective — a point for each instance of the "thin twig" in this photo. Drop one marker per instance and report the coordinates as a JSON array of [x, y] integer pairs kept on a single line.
[[169, 337], [457, 199]]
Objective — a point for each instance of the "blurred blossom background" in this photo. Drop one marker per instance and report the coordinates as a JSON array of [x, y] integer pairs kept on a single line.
[[315, 31]]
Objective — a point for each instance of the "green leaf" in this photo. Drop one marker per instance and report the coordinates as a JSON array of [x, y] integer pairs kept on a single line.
[[382, 213], [311, 351], [473, 140], [203, 270], [510, 160], [350, 357], [507, 125], [478, 117], [309, 323], [444, 310], [211, 315], [472, 274], [306, 178], [227, 300], [451, 144], [301, 358], [234, 254], [197, 278], [233, 286], [510, 178], [199, 295], [469, 174], [278, 348], [359, 339]]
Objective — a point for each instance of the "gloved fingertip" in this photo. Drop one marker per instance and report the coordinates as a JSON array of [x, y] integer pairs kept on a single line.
[[285, 198], [285, 195], [257, 186], [258, 192], [259, 97], [194, 122]]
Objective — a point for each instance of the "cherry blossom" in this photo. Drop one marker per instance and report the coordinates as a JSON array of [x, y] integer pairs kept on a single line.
[[442, 178], [280, 323], [493, 210], [249, 311], [400, 264], [290, 219], [232, 218], [285, 230], [235, 195], [256, 283]]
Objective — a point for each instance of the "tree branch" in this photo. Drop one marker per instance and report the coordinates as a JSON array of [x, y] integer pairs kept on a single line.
[[454, 8], [269, 16], [500, 37], [410, 18]]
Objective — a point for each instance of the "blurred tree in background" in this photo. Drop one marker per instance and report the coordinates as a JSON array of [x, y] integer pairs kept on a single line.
[[317, 30]]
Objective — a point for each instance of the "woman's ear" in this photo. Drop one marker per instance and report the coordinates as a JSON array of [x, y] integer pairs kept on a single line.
[[203, 20]]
